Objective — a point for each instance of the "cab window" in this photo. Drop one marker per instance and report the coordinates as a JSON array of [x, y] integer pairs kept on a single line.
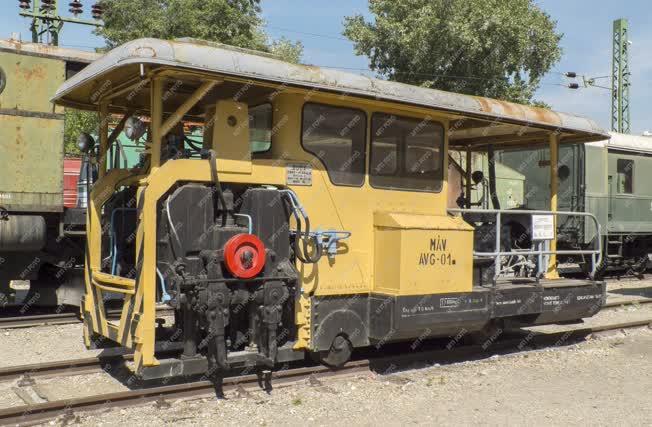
[[625, 169], [406, 153], [260, 128], [337, 137]]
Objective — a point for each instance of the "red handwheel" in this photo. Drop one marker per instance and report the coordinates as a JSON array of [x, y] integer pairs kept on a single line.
[[244, 255]]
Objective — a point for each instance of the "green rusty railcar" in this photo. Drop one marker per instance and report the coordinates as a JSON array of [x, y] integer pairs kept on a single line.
[[34, 244]]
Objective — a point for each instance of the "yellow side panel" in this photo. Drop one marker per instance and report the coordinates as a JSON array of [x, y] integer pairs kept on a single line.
[[339, 207], [422, 254], [387, 271]]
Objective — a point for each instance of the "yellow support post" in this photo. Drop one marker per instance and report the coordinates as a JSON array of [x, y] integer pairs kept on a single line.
[[551, 272], [156, 100], [187, 105], [145, 297], [469, 171], [104, 138]]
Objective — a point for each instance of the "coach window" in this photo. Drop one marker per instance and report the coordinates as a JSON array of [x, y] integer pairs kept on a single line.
[[260, 128], [625, 169], [406, 153], [336, 136]]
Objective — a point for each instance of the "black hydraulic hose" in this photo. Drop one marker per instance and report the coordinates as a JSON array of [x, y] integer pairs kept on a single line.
[[303, 254], [297, 250], [318, 244], [218, 186], [492, 177]]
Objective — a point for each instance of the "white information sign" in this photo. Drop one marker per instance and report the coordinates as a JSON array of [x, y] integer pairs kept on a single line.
[[299, 174], [543, 227]]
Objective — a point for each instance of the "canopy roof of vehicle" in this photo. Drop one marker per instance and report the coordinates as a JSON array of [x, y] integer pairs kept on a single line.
[[252, 76]]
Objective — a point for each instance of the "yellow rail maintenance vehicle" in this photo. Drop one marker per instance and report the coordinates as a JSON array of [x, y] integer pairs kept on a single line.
[[316, 217]]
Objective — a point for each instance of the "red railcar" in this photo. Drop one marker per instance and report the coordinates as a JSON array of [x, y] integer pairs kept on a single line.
[[71, 168]]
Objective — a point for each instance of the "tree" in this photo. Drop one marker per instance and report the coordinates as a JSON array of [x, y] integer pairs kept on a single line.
[[494, 48], [233, 22], [287, 50]]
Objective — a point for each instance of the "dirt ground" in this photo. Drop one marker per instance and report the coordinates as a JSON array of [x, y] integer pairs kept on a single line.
[[605, 381], [602, 381]]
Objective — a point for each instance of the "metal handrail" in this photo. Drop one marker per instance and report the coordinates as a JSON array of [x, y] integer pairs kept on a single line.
[[540, 252]]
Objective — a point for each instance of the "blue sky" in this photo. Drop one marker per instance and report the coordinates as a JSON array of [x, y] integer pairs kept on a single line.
[[587, 45]]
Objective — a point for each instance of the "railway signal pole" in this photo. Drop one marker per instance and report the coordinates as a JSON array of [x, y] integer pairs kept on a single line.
[[620, 74], [47, 23]]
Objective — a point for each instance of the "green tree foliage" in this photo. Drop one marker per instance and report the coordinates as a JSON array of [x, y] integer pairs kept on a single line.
[[494, 48], [76, 122], [287, 50], [232, 22]]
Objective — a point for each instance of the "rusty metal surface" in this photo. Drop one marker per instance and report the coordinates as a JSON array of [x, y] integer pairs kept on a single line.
[[43, 50], [227, 61], [31, 127], [31, 161], [30, 82]]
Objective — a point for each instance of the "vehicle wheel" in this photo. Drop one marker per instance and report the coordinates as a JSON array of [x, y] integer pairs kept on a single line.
[[339, 353], [601, 269], [640, 266], [487, 335]]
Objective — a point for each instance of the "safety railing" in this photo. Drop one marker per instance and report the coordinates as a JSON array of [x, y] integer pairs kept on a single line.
[[538, 245]]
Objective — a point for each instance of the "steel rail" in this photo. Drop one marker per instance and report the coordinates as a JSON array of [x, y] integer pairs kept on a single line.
[[37, 320], [38, 413], [615, 302], [58, 368], [28, 321]]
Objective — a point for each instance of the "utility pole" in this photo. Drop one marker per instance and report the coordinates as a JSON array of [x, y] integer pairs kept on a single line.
[[620, 78], [47, 23]]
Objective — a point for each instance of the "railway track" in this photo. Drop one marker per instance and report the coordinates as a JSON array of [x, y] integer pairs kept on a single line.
[[68, 317], [42, 412], [38, 320], [620, 302]]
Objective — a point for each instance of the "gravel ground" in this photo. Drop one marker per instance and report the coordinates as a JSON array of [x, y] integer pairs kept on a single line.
[[602, 381], [605, 381], [42, 344], [629, 288]]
